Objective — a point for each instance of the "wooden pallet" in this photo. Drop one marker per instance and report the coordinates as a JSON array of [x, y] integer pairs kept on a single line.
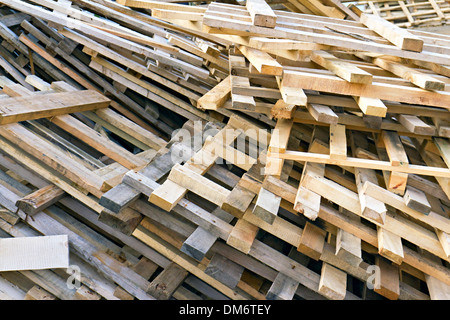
[[409, 14]]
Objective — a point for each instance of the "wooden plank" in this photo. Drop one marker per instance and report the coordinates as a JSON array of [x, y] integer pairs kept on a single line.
[[370, 236], [383, 91], [364, 163], [406, 12], [416, 200], [97, 141], [444, 238], [292, 95], [219, 25], [262, 61], [438, 290], [198, 184], [238, 201], [145, 268], [9, 216], [261, 13], [28, 162], [84, 293], [433, 219], [54, 158], [126, 221], [17, 109], [394, 147], [399, 37], [350, 201], [389, 285], [442, 127], [370, 207], [338, 142], [170, 193], [306, 201], [348, 247], [282, 110], [201, 240], [40, 199], [282, 288], [224, 270], [131, 128], [240, 100], [58, 64], [267, 206], [198, 243], [37, 293], [434, 160], [390, 245], [229, 154], [322, 113], [164, 14], [155, 170], [312, 241], [416, 125], [119, 197], [444, 149], [165, 284], [394, 181], [372, 122], [333, 282], [34, 253], [344, 70], [148, 4], [217, 96], [280, 136], [371, 106], [242, 235], [418, 78], [167, 195]]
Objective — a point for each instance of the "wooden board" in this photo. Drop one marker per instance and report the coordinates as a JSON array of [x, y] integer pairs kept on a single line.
[[261, 13], [17, 109], [400, 37]]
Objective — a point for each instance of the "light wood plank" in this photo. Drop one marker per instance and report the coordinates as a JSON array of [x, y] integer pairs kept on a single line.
[[267, 206], [371, 106], [99, 142], [389, 285], [416, 125], [333, 282], [242, 236], [312, 241], [198, 184], [417, 200], [344, 70], [261, 13], [338, 142], [322, 113], [262, 61], [390, 245], [217, 96], [400, 37]]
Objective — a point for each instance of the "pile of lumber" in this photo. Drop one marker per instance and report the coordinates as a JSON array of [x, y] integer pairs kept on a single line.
[[424, 13], [224, 151]]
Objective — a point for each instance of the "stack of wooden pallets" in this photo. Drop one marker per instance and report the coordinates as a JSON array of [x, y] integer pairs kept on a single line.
[[415, 14], [225, 151]]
